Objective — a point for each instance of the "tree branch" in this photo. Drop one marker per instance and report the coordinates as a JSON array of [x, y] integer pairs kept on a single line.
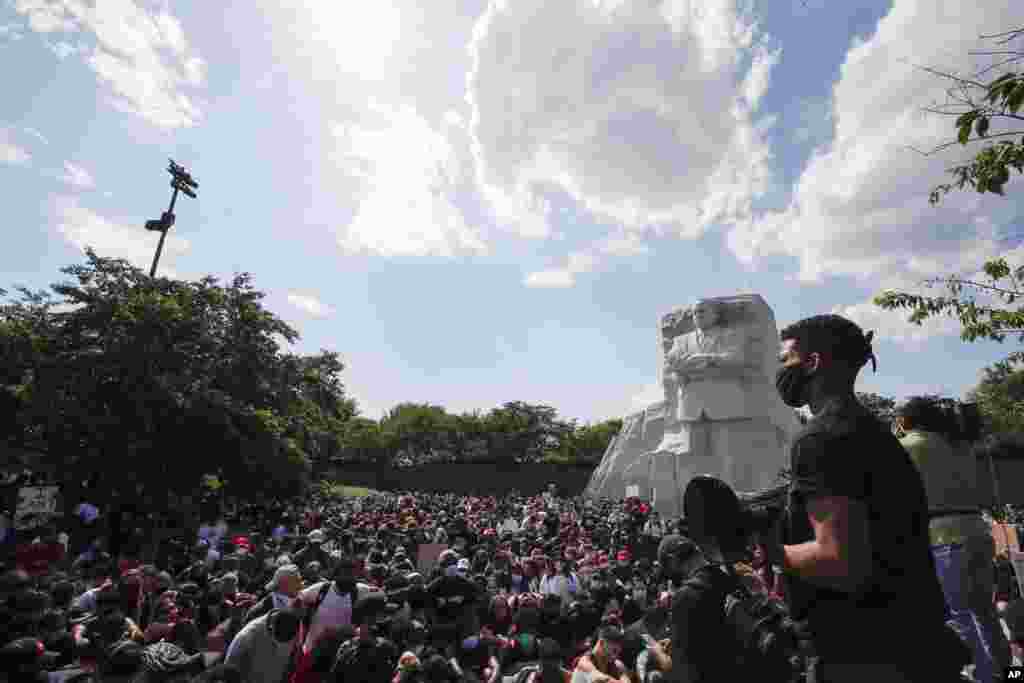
[[936, 72], [953, 143], [971, 283]]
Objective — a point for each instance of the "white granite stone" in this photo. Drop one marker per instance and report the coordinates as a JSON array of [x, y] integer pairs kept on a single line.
[[721, 414]]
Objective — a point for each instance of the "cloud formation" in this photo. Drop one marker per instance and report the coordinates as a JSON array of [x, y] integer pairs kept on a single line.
[[646, 113], [310, 305], [77, 176], [406, 176], [621, 244], [141, 56], [860, 209]]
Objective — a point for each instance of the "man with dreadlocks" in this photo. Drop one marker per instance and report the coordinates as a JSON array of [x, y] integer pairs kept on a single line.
[[854, 548]]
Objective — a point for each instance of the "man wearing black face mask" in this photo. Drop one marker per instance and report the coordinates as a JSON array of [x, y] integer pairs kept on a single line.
[[856, 556]]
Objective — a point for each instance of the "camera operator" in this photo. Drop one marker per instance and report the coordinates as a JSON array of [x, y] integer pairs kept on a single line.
[[961, 539], [856, 559], [701, 640]]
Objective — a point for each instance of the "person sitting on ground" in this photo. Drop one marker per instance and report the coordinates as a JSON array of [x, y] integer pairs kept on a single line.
[[603, 663], [314, 551]]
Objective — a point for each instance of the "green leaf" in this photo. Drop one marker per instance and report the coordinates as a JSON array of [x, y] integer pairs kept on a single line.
[[1015, 98]]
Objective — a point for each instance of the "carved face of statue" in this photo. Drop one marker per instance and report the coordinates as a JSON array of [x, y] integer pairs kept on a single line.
[[705, 315]]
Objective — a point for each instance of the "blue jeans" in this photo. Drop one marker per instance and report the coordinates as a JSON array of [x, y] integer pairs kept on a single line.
[[965, 572]]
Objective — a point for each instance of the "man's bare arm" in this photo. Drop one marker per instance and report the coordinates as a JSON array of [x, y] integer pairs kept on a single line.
[[839, 557]]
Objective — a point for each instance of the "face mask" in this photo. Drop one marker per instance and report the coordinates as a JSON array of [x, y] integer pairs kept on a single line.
[[791, 383]]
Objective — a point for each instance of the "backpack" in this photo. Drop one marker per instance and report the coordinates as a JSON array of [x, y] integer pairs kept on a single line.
[[307, 620]]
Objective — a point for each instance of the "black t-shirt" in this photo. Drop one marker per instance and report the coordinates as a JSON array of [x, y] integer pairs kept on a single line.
[[846, 451], [456, 592]]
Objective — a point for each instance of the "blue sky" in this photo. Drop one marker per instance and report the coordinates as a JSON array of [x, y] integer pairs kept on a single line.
[[482, 202]]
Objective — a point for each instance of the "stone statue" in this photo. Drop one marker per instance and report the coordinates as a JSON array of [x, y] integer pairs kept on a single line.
[[721, 414]]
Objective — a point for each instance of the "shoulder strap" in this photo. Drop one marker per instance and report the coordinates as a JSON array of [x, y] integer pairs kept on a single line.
[[324, 590]]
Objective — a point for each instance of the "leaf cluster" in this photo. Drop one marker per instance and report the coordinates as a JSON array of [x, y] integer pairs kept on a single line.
[[976, 105], [986, 308]]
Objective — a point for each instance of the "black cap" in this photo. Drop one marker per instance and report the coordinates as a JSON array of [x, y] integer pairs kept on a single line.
[[674, 545]]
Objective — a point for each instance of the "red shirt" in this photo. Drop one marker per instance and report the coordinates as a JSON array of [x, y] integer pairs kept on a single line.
[[36, 558]]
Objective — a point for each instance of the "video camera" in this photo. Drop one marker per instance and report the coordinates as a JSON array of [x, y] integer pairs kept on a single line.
[[721, 526]]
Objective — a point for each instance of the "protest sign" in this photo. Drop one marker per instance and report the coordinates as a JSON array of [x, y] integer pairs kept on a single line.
[[428, 554], [37, 505], [1005, 537]]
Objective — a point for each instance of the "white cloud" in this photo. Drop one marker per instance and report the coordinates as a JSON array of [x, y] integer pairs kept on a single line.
[[555, 278], [47, 16], [644, 112], [623, 243], [861, 208], [142, 56], [311, 305], [406, 176], [82, 227], [77, 176], [893, 326], [10, 151]]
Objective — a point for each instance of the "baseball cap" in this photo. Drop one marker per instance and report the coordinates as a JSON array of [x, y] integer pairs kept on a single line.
[[316, 536]]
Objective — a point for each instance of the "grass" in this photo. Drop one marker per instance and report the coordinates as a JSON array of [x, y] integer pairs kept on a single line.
[[336, 489], [355, 492]]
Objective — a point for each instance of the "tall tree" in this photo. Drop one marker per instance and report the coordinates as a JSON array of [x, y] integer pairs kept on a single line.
[[1000, 397], [156, 382]]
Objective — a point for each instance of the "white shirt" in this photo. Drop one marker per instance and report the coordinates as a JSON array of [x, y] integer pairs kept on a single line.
[[335, 611], [560, 585]]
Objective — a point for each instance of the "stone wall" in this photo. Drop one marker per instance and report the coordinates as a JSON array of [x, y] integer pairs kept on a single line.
[[466, 479]]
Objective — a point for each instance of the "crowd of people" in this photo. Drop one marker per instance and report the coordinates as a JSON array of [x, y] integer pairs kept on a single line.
[[401, 587], [886, 576]]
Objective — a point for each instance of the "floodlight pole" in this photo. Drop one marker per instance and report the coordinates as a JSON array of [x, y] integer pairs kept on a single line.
[[181, 180], [163, 236]]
